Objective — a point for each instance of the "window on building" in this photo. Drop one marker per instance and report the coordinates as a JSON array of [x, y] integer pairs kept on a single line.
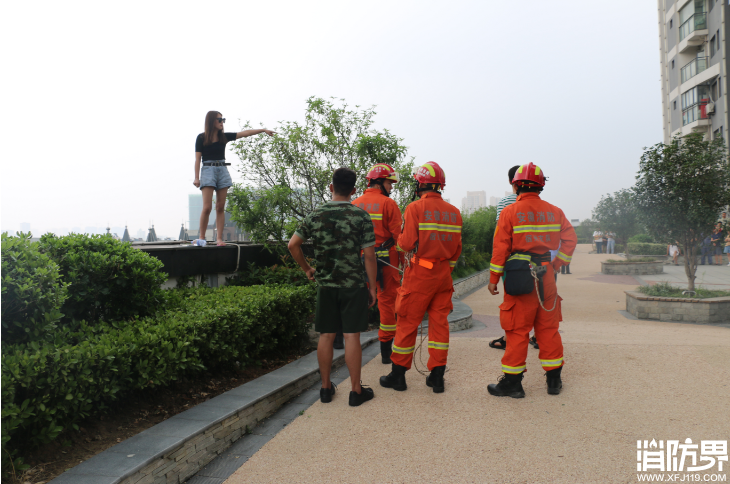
[[672, 63], [717, 41], [670, 23], [675, 105], [712, 46], [713, 91]]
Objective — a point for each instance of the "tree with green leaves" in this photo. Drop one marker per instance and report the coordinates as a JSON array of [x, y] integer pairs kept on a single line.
[[287, 176], [680, 189], [617, 213]]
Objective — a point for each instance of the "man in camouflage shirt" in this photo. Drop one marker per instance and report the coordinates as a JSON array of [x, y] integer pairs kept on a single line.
[[339, 231]]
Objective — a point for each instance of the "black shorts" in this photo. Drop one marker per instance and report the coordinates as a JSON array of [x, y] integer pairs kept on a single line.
[[344, 308]]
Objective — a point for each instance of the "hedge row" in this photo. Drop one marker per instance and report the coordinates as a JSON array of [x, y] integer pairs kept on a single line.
[[48, 387], [639, 248]]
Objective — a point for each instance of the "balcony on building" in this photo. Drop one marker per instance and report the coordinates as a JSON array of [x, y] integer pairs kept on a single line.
[[693, 32], [694, 67]]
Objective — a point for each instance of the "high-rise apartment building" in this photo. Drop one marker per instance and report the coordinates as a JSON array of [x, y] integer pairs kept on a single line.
[[473, 201], [692, 40]]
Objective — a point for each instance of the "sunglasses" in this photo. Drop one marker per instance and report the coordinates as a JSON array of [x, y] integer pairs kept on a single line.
[[221, 120]]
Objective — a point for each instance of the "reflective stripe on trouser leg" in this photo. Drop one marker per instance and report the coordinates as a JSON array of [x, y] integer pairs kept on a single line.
[[411, 311], [386, 303], [517, 323], [438, 329]]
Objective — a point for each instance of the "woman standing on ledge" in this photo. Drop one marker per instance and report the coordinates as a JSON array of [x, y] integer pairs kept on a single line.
[[210, 148]]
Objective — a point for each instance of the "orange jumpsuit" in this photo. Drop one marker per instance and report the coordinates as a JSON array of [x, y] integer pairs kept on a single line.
[[532, 225], [435, 226], [387, 222]]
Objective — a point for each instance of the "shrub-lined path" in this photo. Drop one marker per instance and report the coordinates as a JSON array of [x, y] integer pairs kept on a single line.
[[624, 380]]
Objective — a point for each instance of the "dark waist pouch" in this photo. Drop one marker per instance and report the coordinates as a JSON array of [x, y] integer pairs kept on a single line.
[[517, 277]]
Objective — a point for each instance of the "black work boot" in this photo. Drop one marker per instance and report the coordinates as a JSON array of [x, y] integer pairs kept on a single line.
[[436, 379], [554, 383], [339, 342], [396, 379], [509, 385], [386, 349]]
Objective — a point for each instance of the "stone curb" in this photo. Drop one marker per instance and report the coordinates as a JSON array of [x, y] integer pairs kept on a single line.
[[176, 449], [714, 310]]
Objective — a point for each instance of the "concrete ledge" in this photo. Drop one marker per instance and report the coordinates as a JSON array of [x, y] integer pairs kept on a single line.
[[467, 284], [627, 268], [702, 311], [176, 449]]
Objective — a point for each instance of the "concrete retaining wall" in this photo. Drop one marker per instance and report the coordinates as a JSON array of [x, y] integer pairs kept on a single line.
[[632, 268], [711, 310], [466, 284]]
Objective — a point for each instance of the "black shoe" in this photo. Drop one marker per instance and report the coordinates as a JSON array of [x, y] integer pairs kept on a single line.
[[339, 343], [509, 385], [436, 379], [554, 383], [533, 342], [396, 379], [326, 394], [386, 349], [357, 399]]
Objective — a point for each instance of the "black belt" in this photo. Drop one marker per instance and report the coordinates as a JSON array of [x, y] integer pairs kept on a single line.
[[538, 258], [215, 163]]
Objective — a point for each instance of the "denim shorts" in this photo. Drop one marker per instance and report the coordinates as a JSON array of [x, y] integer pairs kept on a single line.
[[215, 176], [727, 249]]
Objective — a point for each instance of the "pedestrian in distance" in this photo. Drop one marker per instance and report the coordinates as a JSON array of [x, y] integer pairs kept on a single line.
[[706, 250], [213, 176], [387, 221], [717, 243], [339, 231], [610, 242], [527, 231], [598, 240], [432, 233], [673, 251], [727, 247]]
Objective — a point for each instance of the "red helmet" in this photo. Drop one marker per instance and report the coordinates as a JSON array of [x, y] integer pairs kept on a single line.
[[381, 170], [529, 173], [430, 172]]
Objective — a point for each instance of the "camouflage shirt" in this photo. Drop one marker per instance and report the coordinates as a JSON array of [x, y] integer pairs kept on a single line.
[[339, 230]]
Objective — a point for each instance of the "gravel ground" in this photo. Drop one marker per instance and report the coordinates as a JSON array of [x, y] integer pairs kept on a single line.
[[624, 380]]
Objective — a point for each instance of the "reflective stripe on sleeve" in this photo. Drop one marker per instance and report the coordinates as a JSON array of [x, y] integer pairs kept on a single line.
[[387, 327], [496, 268], [549, 363], [563, 257], [438, 346], [536, 228], [514, 370], [452, 263], [403, 351], [440, 227], [376, 216]]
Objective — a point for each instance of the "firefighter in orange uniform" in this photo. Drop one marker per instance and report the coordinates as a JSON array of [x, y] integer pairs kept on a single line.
[[432, 229], [526, 232], [387, 222]]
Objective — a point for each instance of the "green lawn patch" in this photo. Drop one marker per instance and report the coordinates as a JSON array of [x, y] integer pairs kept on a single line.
[[664, 289]]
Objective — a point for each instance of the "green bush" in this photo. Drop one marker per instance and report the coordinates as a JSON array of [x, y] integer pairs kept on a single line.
[[478, 228], [636, 248], [110, 280], [278, 274], [48, 387], [32, 291], [642, 238], [664, 289]]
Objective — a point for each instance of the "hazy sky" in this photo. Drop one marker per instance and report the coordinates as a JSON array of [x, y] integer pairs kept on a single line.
[[102, 101]]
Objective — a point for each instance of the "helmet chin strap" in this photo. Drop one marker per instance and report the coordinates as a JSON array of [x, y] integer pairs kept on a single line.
[[430, 187]]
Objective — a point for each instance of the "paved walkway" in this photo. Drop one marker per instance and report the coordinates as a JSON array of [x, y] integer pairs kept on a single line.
[[624, 380], [708, 277]]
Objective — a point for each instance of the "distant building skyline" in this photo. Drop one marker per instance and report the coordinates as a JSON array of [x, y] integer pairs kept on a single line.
[[474, 201]]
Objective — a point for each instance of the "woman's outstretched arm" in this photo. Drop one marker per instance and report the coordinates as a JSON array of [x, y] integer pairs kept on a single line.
[[251, 132], [198, 157]]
